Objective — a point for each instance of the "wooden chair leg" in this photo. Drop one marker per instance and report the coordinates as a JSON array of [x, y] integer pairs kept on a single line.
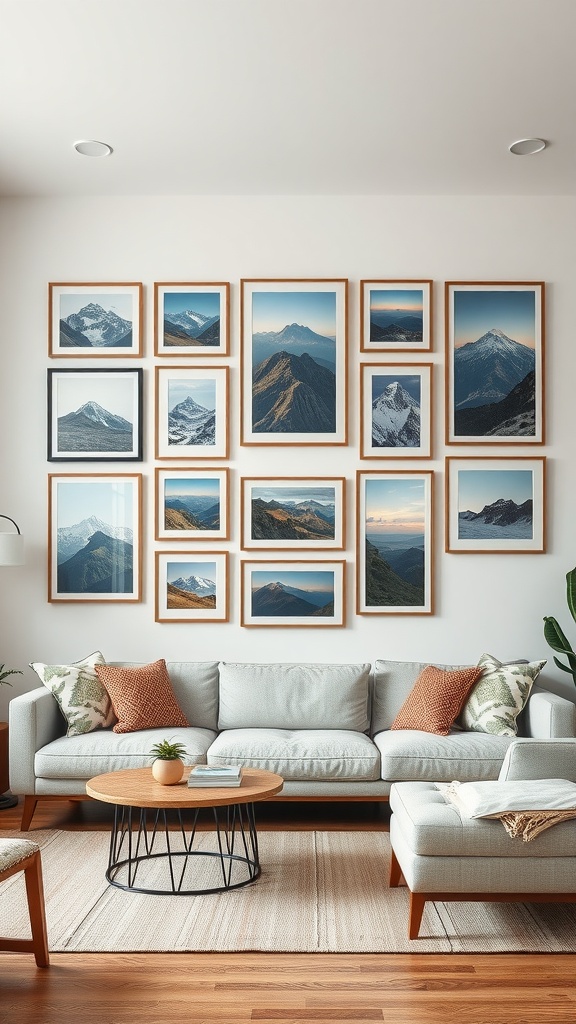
[[417, 901], [395, 871], [35, 895], [27, 812]]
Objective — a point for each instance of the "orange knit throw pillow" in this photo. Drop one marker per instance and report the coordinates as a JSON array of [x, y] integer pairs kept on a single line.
[[142, 696], [436, 699]]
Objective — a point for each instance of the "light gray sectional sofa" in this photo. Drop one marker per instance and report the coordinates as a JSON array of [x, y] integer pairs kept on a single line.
[[324, 728]]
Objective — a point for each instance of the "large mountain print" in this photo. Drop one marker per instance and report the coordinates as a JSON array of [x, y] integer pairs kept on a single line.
[[494, 388], [294, 382], [95, 327]]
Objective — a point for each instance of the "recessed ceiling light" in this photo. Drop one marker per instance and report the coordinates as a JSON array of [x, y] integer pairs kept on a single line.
[[525, 147], [89, 147]]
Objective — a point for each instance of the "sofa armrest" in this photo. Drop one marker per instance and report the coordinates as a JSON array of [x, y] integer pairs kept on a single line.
[[539, 759], [548, 716], [34, 721]]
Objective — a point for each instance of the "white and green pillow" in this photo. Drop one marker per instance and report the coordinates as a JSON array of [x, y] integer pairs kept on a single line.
[[499, 696], [80, 695]]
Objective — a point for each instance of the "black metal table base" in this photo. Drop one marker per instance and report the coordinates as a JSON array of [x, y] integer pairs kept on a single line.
[[141, 836]]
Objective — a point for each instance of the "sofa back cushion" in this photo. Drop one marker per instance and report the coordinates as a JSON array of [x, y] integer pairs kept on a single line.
[[195, 685], [293, 696]]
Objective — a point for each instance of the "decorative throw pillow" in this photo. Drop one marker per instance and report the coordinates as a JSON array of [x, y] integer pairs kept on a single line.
[[436, 699], [142, 696], [499, 696], [80, 695]]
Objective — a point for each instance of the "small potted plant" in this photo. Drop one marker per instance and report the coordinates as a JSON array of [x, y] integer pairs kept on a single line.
[[167, 764]]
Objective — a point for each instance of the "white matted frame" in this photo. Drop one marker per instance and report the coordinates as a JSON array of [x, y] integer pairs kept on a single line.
[[192, 504], [192, 412], [95, 320], [496, 505], [292, 513], [395, 410], [95, 415], [394, 562], [95, 537], [191, 318], [396, 316], [294, 361], [495, 362], [192, 586], [290, 593]]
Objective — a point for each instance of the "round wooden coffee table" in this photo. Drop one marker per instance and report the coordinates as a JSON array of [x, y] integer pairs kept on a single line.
[[156, 840]]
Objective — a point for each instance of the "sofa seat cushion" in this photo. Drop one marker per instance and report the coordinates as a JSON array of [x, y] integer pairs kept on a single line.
[[300, 754], [82, 757], [409, 755], [433, 828]]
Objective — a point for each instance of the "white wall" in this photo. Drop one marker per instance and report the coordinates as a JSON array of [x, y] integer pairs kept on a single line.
[[489, 603]]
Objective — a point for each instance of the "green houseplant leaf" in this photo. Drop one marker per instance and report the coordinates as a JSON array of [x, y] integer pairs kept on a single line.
[[167, 751], [554, 635], [5, 672]]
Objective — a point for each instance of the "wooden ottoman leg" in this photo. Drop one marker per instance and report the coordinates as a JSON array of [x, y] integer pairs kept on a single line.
[[417, 901], [27, 812], [35, 894], [395, 871]]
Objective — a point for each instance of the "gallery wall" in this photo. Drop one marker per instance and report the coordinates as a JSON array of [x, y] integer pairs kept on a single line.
[[491, 603]]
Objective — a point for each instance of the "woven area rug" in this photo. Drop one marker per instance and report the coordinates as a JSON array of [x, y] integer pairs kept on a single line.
[[318, 892]]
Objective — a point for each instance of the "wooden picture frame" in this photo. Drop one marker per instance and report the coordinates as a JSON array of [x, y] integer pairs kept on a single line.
[[293, 513], [496, 505], [191, 586], [192, 412], [95, 320], [294, 361], [495, 362], [95, 537], [95, 415], [191, 318], [395, 410], [396, 316], [290, 594], [395, 530], [192, 504]]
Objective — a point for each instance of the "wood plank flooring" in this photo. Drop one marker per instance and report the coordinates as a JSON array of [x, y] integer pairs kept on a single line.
[[236, 988]]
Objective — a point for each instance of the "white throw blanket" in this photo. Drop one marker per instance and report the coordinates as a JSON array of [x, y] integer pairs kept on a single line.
[[525, 808]]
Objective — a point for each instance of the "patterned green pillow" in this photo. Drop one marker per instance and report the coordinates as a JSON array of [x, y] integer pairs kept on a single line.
[[499, 696], [79, 693]]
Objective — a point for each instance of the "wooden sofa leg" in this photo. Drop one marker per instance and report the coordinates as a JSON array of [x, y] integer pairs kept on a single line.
[[35, 895], [27, 812], [395, 871], [417, 901]]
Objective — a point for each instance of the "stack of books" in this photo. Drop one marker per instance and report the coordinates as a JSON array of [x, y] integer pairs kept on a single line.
[[221, 775]]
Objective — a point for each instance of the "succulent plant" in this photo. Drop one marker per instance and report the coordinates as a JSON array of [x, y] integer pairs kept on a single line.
[[167, 751], [5, 672], [554, 635]]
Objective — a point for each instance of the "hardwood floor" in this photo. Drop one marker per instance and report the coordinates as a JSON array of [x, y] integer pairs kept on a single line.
[[236, 988]]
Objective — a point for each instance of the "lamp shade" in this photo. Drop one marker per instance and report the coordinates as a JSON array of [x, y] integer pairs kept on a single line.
[[11, 546]]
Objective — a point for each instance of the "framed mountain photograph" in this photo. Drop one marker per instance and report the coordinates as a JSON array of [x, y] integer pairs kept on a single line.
[[395, 410], [192, 504], [95, 320], [94, 537], [394, 561], [192, 412], [191, 319], [292, 593], [95, 415], [294, 342], [192, 586], [284, 513], [494, 362], [495, 505], [395, 316]]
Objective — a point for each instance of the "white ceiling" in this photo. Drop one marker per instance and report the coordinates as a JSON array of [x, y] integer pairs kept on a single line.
[[287, 96]]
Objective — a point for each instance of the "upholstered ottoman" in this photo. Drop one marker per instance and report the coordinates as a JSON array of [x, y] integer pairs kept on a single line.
[[444, 856]]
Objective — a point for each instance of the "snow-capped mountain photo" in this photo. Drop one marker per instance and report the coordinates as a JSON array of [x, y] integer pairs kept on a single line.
[[91, 428], [192, 317], [190, 423], [73, 538], [395, 415], [187, 590], [195, 584], [193, 324], [504, 519], [97, 326]]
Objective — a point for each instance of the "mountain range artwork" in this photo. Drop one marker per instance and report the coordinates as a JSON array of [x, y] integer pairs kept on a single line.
[[290, 594], [396, 316], [495, 504], [396, 416], [288, 513], [192, 505], [495, 357], [191, 320], [190, 585]]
